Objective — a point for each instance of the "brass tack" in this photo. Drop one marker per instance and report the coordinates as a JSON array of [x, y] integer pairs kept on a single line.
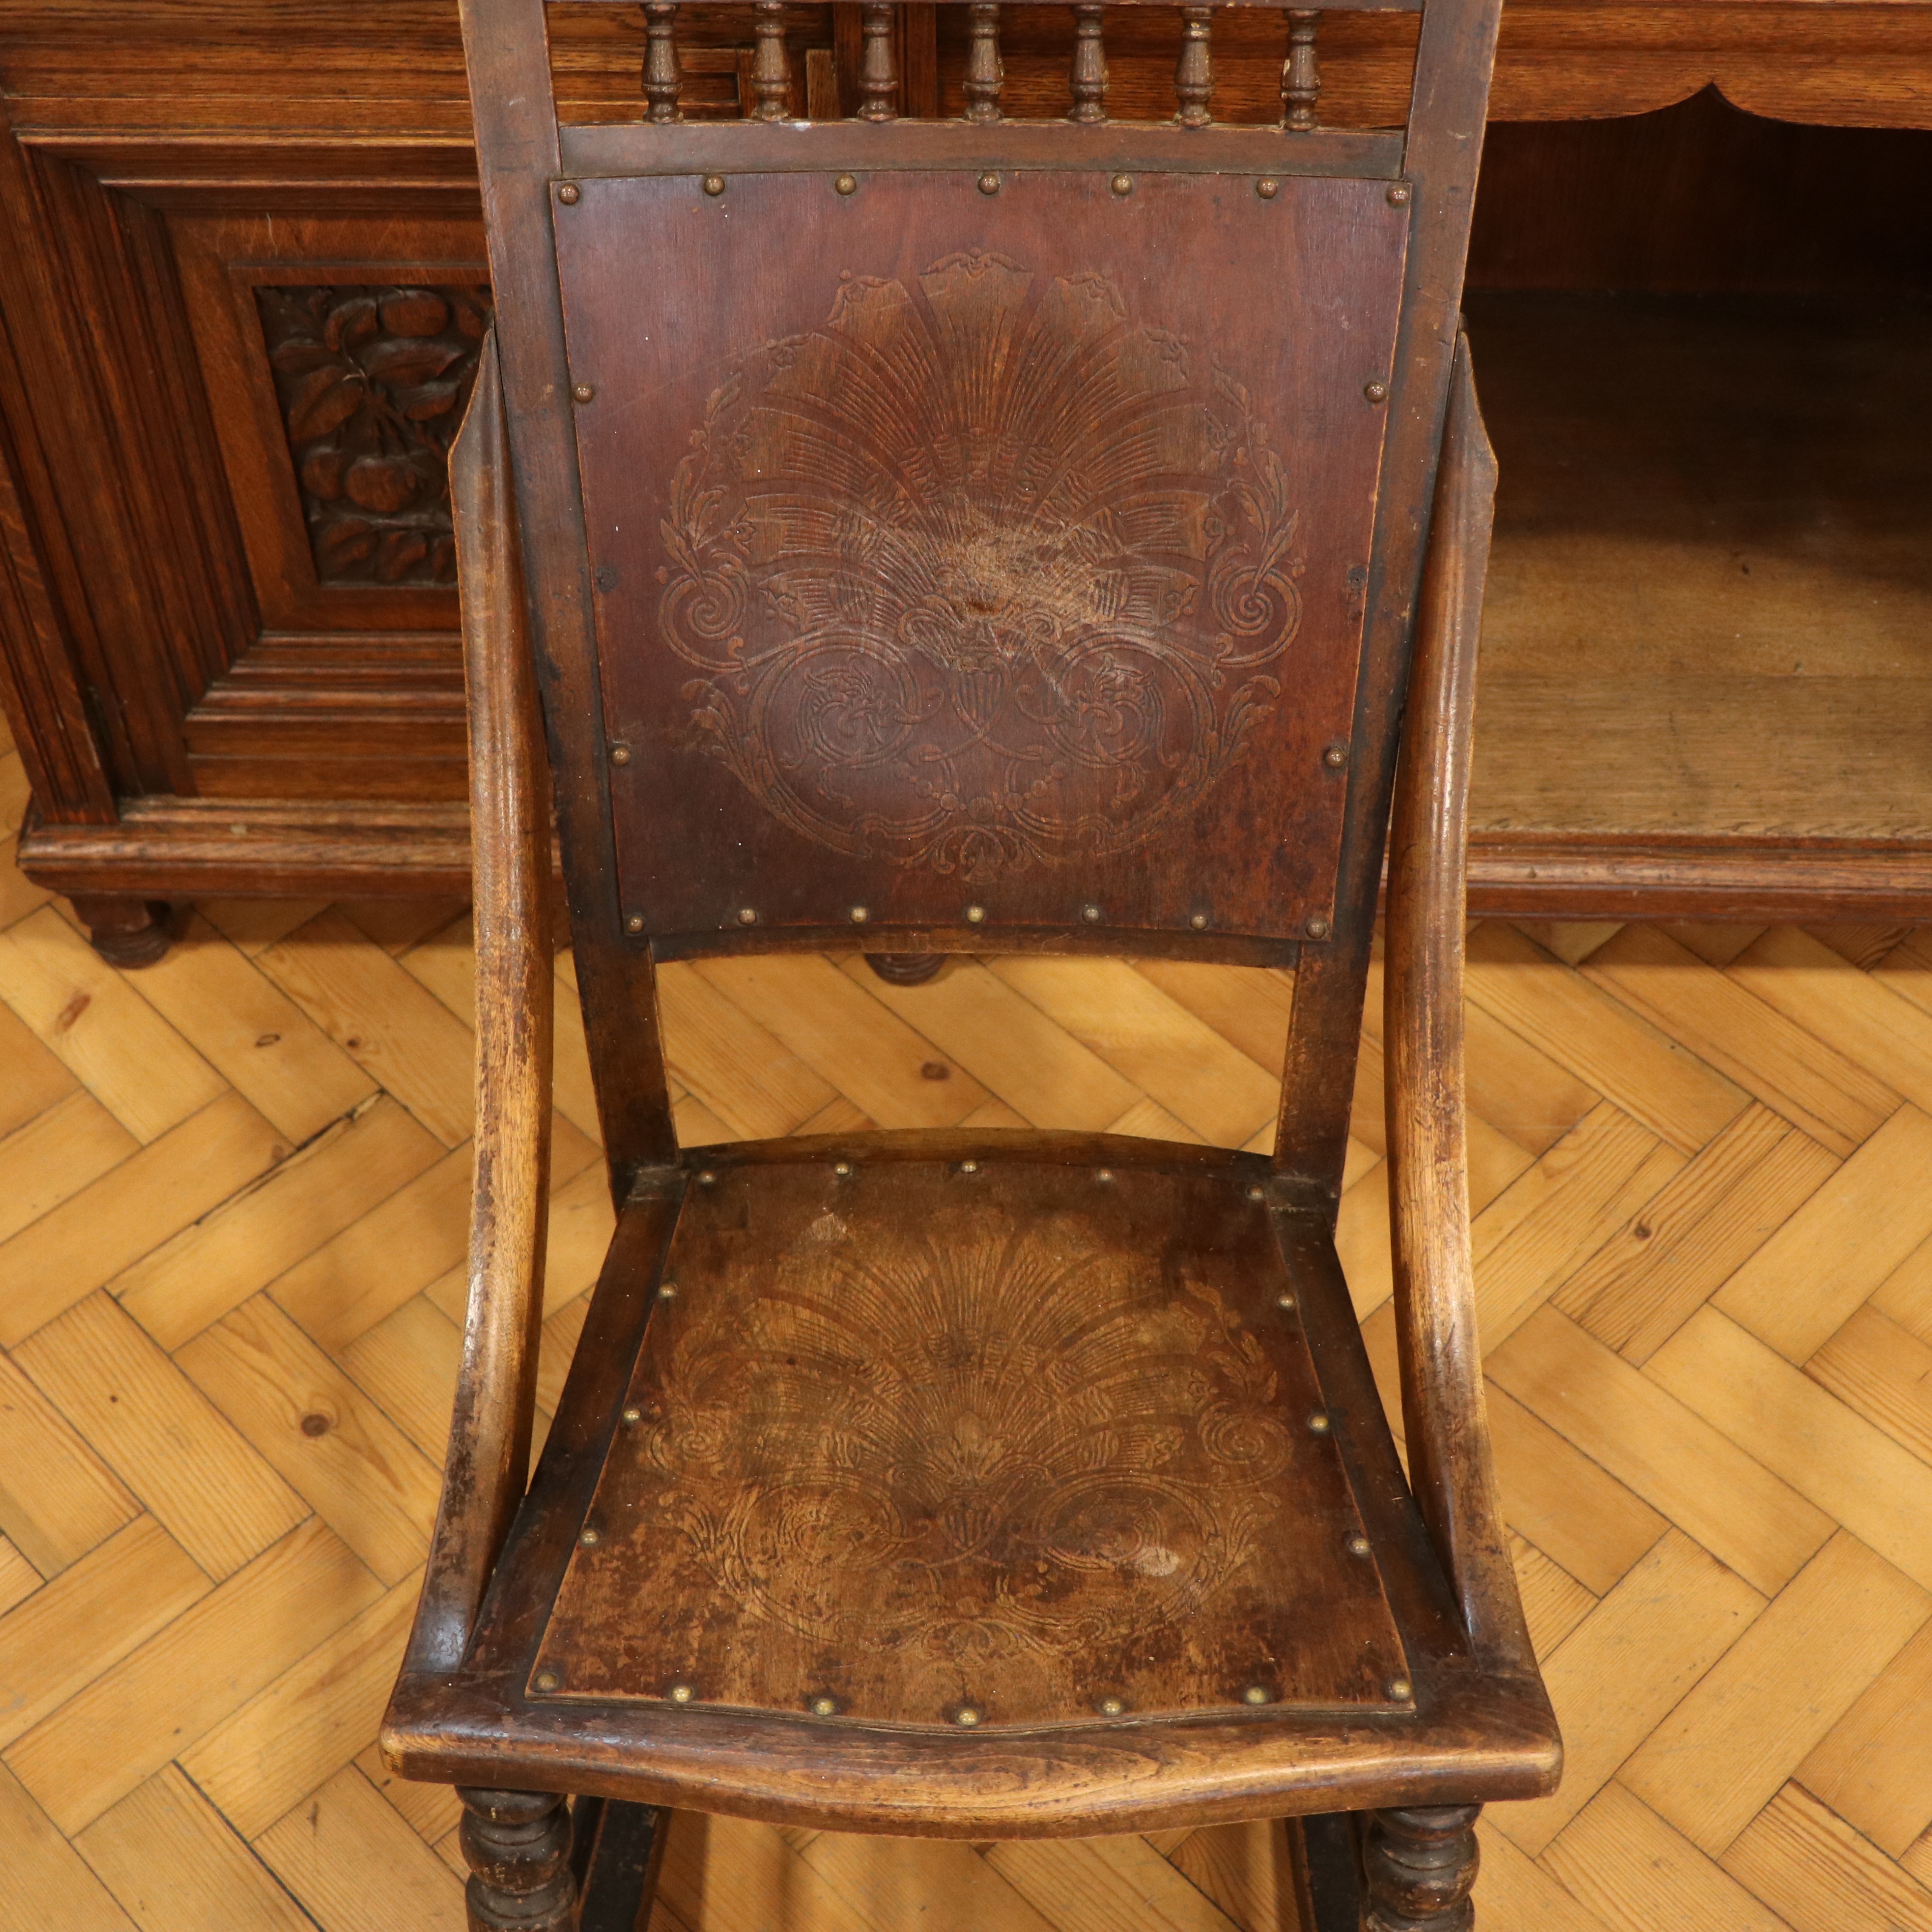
[[1317, 929], [567, 192], [548, 1680], [1398, 194], [825, 1707], [966, 1717], [633, 1415], [1358, 1545], [705, 1179], [1104, 1175], [1090, 913], [1284, 1300], [1199, 922], [1267, 188], [1376, 392], [1317, 1424], [667, 1291], [975, 915], [1257, 1194], [620, 754], [1401, 1690], [1255, 1693], [747, 916], [588, 1538], [680, 1693], [859, 915], [1112, 1707], [1122, 183], [714, 184], [582, 392], [635, 923], [842, 1167], [846, 183], [989, 183], [969, 1167], [1335, 756]]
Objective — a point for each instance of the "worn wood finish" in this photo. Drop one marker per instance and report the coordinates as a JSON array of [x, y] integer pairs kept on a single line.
[[1419, 1865], [517, 1843], [1111, 599], [1450, 1465], [488, 1461], [510, 81], [970, 1489], [1453, 66], [1060, 1416]]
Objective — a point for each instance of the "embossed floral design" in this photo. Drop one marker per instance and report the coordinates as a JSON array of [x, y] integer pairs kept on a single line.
[[981, 574], [372, 382]]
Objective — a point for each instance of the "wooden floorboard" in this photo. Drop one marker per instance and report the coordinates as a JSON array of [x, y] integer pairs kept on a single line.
[[233, 1203]]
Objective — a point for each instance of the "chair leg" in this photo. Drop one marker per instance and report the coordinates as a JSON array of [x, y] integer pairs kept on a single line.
[[517, 1843], [1418, 1864]]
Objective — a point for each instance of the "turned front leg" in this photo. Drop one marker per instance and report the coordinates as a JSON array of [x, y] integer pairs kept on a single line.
[[518, 1844], [1418, 1864]]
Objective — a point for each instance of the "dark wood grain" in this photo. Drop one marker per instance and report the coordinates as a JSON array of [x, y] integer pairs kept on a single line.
[[139, 656], [913, 546], [1057, 1415], [488, 1461], [1450, 1465], [1111, 621]]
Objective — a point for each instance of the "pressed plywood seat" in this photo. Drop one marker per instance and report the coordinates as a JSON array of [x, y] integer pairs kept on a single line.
[[979, 536], [890, 1458]]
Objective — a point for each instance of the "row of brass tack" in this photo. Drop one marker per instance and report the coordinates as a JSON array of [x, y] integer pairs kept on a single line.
[[986, 74]]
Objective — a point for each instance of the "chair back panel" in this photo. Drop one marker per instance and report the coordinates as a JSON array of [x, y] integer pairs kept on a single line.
[[979, 547]]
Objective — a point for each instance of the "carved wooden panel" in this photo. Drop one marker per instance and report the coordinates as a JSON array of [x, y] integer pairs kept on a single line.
[[373, 382], [1006, 1443], [995, 554]]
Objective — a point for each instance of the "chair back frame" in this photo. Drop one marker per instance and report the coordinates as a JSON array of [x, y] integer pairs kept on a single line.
[[1428, 170]]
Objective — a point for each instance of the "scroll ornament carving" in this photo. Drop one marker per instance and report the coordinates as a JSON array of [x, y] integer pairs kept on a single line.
[[983, 574], [1038, 1462], [372, 383]]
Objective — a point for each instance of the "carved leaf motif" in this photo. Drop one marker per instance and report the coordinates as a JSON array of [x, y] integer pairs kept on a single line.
[[372, 383], [328, 396], [414, 312], [380, 483], [405, 359], [351, 322]]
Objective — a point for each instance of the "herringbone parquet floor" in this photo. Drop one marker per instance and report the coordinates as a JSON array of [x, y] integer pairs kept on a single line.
[[231, 1219]]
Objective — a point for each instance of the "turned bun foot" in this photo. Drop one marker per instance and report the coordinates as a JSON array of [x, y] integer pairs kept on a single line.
[[905, 969], [125, 932]]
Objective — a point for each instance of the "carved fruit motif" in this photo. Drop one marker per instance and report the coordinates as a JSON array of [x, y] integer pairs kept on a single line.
[[372, 383], [983, 574]]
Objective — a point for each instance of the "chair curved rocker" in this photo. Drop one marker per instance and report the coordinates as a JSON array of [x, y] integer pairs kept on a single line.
[[967, 1483]]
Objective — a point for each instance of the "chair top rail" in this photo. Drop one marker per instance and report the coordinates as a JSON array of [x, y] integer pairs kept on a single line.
[[1256, 6], [591, 151]]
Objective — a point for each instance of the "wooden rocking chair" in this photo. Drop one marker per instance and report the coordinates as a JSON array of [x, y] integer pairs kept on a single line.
[[979, 535]]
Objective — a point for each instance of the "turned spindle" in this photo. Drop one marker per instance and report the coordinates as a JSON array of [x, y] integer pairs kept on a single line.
[[517, 1846], [985, 73], [1194, 73], [879, 67], [771, 65], [663, 78], [1088, 81], [1418, 1866], [1301, 73]]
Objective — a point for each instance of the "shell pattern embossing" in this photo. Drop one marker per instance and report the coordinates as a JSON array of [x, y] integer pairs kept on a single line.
[[983, 574], [966, 1453]]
